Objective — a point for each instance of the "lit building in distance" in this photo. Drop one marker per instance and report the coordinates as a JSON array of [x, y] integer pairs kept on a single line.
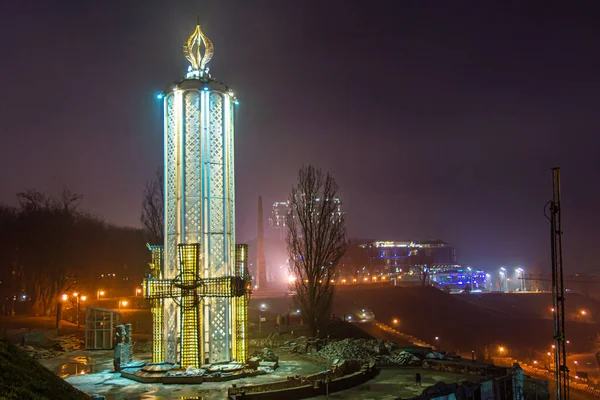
[[280, 211], [198, 285], [391, 257]]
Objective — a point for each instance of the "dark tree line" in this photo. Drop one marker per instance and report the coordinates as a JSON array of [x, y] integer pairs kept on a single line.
[[153, 212], [49, 246]]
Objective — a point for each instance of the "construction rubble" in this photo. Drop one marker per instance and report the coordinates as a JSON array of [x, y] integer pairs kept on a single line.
[[58, 345], [382, 352]]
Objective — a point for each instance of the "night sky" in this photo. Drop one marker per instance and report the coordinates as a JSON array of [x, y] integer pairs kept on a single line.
[[438, 119]]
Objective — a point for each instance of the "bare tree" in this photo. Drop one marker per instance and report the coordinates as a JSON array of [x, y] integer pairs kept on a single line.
[[153, 218], [316, 240], [421, 264]]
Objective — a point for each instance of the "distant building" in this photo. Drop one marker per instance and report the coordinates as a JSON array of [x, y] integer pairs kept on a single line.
[[391, 257], [280, 211], [278, 215]]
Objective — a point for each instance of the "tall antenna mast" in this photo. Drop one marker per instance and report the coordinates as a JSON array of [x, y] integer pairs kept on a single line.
[[561, 371]]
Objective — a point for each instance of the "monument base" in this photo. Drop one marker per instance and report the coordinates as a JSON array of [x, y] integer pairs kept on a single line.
[[167, 373]]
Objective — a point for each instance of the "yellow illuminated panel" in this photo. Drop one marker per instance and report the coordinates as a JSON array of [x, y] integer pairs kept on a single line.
[[158, 353], [190, 313]]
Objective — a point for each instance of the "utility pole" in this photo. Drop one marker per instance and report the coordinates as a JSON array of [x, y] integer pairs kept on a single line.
[[561, 371]]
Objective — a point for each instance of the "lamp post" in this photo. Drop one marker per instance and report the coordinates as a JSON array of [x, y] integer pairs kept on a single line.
[[520, 276], [263, 307], [470, 277], [503, 280], [78, 297], [99, 294]]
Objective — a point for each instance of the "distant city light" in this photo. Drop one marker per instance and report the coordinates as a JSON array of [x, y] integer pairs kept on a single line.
[[501, 349], [395, 321], [583, 312]]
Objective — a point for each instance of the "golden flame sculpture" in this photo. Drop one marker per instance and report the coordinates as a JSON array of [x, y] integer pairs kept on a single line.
[[192, 49]]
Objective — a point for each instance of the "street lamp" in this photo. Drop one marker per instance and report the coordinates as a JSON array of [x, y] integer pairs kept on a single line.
[[520, 276], [263, 307], [99, 294], [77, 297], [503, 278], [123, 303]]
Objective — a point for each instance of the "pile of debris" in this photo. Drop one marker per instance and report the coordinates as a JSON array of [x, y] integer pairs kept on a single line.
[[382, 352], [303, 345], [68, 343], [265, 360], [355, 349], [40, 353], [57, 346]]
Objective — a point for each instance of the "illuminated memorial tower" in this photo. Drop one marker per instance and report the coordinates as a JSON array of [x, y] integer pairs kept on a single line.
[[198, 285]]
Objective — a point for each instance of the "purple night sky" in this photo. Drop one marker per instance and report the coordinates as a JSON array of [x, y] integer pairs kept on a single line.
[[438, 119]]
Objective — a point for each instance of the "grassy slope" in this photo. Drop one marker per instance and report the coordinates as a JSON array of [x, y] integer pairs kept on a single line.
[[21, 377], [463, 325]]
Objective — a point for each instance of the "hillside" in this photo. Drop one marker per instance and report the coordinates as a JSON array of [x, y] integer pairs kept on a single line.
[[463, 325], [21, 377]]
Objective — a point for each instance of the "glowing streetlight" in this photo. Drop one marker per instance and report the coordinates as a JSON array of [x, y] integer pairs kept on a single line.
[[502, 349], [583, 312], [65, 297], [138, 291], [437, 338], [123, 303], [395, 321], [99, 294], [77, 297], [83, 298]]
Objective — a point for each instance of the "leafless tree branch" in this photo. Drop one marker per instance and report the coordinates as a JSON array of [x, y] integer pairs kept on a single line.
[[316, 241]]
